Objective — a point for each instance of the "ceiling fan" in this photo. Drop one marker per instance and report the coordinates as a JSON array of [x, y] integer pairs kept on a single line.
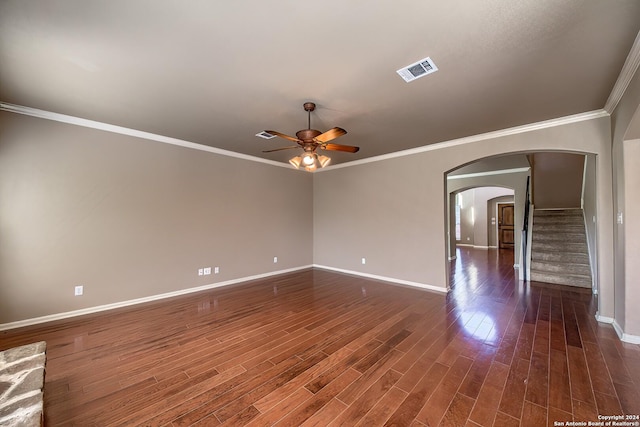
[[311, 140]]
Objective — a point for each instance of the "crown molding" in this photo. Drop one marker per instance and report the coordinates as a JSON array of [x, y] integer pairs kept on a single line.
[[575, 118], [488, 173], [624, 78], [48, 115], [63, 118]]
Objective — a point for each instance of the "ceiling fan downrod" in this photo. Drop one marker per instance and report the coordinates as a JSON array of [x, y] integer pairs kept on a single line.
[[309, 107]]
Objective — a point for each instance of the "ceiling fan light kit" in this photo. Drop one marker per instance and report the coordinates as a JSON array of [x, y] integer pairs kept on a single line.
[[310, 140], [310, 161]]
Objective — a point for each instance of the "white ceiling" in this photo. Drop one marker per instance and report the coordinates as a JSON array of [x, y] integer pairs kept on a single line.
[[216, 73]]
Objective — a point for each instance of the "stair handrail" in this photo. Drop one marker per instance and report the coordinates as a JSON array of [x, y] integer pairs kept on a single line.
[[525, 232]]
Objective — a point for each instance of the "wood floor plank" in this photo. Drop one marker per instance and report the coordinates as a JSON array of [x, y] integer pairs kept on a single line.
[[488, 400], [538, 380], [434, 409], [316, 347], [363, 404], [533, 415], [515, 388], [559, 384], [411, 405]]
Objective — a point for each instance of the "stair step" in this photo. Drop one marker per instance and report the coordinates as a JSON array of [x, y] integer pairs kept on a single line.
[[558, 246], [564, 279], [561, 267], [558, 220], [560, 256], [562, 237], [554, 227], [559, 252], [558, 212]]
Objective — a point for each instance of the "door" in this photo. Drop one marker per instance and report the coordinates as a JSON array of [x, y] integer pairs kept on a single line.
[[505, 226]]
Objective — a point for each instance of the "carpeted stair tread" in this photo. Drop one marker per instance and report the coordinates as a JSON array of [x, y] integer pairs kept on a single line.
[[561, 267], [559, 252], [561, 256], [564, 237], [564, 279], [555, 246]]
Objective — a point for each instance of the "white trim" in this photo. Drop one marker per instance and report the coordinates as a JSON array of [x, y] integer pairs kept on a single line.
[[516, 266], [385, 279], [604, 319], [99, 308], [488, 173], [624, 78], [63, 118], [475, 138], [451, 258], [631, 339], [480, 247], [464, 244], [34, 112]]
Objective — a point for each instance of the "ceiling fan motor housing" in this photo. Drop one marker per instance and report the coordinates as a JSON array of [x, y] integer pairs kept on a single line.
[[307, 134]]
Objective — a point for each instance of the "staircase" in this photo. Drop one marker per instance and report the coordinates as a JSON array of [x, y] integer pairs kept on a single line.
[[559, 251]]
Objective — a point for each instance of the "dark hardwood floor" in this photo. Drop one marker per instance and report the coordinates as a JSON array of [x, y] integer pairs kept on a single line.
[[321, 348]]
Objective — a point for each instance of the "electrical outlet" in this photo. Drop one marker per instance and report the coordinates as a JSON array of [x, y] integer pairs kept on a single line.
[[364, 260], [79, 290], [275, 259], [207, 271], [216, 270], [200, 271]]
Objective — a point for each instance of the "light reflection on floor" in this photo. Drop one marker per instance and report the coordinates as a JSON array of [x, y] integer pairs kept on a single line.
[[478, 293]]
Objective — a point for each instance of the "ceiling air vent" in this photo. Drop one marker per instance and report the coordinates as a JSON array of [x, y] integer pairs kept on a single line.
[[265, 135], [418, 69]]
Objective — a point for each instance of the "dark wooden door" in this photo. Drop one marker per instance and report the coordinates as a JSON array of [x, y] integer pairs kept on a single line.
[[505, 226]]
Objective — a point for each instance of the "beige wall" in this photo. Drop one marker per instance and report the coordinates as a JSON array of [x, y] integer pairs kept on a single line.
[[475, 224], [515, 181], [130, 218], [393, 211], [625, 196], [632, 233], [557, 180]]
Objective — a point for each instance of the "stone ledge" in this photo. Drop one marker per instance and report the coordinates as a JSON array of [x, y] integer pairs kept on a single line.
[[22, 385]]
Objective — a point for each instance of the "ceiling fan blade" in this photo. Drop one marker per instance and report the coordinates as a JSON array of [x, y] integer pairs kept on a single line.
[[282, 135], [280, 149], [338, 147], [329, 135]]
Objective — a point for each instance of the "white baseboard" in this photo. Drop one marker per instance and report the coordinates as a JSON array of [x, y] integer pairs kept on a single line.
[[631, 339], [384, 278], [604, 319], [99, 308], [468, 245], [451, 258]]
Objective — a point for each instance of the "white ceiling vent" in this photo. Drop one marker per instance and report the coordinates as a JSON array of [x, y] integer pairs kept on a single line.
[[418, 69], [265, 135]]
